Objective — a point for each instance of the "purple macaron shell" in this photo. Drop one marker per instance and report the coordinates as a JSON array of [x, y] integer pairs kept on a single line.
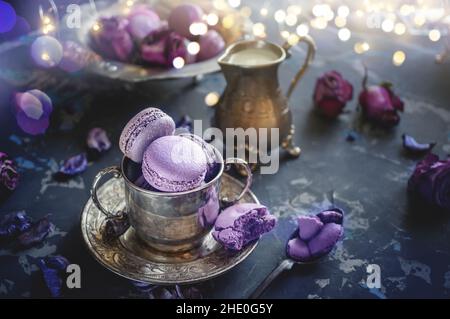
[[211, 44], [241, 224], [324, 242], [316, 235], [182, 16], [298, 250], [308, 226], [142, 130], [214, 161], [174, 164]]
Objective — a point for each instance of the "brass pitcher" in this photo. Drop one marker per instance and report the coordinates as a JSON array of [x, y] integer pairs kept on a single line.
[[252, 97]]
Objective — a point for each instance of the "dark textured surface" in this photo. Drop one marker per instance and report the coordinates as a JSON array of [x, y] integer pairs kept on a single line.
[[369, 175]]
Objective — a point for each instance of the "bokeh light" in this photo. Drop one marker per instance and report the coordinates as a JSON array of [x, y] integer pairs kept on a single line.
[[46, 51], [7, 17], [361, 47], [344, 34], [193, 48], [398, 58], [434, 35], [302, 29], [178, 63], [212, 98]]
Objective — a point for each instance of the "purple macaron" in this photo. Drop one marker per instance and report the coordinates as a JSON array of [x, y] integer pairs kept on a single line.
[[211, 44], [182, 16], [142, 130], [241, 224], [316, 235], [174, 164]]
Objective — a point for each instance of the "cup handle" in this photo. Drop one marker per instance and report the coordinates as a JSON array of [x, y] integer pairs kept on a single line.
[[109, 170], [225, 201], [309, 58]]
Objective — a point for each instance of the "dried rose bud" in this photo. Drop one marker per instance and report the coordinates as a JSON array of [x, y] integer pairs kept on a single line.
[[9, 177], [163, 46], [331, 93], [430, 182], [380, 105]]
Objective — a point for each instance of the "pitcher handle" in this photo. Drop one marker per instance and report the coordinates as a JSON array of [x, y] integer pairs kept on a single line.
[[225, 202], [309, 58], [115, 170]]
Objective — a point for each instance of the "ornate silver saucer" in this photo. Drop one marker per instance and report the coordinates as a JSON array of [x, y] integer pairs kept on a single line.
[[127, 256]]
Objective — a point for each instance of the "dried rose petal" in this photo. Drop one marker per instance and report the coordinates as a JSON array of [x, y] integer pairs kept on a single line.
[[430, 181], [411, 145], [53, 269], [98, 140], [9, 177], [331, 93], [188, 292], [74, 165], [36, 233], [174, 292], [33, 109], [14, 224]]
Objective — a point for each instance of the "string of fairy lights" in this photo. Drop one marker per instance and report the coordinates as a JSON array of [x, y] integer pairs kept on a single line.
[[398, 18]]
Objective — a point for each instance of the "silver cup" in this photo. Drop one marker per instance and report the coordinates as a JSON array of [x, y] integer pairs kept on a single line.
[[171, 222]]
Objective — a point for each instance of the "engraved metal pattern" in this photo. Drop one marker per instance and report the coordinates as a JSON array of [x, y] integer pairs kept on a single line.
[[138, 262]]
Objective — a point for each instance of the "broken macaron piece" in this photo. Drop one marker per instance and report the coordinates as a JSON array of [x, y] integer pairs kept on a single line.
[[241, 224], [316, 235]]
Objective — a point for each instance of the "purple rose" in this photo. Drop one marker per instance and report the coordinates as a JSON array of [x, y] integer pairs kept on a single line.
[[211, 44], [331, 93], [163, 46], [112, 38], [33, 109], [9, 177], [430, 181], [379, 104], [316, 235], [142, 21]]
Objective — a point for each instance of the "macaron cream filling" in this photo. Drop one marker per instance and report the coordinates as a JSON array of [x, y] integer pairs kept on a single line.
[[241, 224]]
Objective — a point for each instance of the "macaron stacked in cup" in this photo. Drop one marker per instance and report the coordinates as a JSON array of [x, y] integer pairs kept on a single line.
[[170, 163]]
